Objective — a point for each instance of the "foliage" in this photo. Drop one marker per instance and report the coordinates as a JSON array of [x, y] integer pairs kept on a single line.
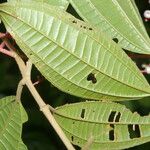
[[12, 116], [109, 125], [84, 59], [120, 27]]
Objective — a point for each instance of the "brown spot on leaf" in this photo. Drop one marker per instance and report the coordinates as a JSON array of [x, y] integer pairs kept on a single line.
[[74, 21], [82, 113], [115, 40], [111, 133], [72, 138], [91, 77]]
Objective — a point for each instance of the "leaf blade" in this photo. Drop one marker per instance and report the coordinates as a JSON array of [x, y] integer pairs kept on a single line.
[[54, 43], [122, 22], [11, 121], [98, 122], [60, 3]]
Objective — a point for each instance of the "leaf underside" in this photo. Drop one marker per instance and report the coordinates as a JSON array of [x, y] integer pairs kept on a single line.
[[12, 116], [105, 125], [119, 19], [72, 55], [61, 3]]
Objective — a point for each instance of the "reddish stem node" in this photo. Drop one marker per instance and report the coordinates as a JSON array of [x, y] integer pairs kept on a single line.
[[144, 71], [2, 35], [6, 52], [2, 45], [5, 35]]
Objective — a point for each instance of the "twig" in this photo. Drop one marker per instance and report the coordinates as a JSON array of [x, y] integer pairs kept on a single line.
[[43, 106], [6, 52], [5, 35], [7, 43], [2, 45], [26, 75], [2, 35], [36, 83], [19, 90]]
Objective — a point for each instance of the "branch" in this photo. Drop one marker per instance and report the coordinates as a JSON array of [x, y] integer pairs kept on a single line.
[[25, 70], [5, 51], [19, 90], [2, 35], [44, 107]]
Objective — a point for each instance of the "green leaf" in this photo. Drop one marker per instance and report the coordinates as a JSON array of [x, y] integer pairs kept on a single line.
[[108, 125], [12, 116], [137, 15], [120, 19], [61, 3], [72, 55], [21, 146]]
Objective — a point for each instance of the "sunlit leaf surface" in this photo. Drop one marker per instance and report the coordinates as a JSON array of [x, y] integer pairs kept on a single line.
[[105, 125], [73, 56], [12, 116], [120, 19]]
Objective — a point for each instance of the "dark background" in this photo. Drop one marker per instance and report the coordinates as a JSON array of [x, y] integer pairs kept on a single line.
[[37, 133]]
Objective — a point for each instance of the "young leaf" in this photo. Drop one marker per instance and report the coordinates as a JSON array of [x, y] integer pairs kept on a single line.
[[103, 125], [61, 3], [119, 19], [12, 116], [72, 55]]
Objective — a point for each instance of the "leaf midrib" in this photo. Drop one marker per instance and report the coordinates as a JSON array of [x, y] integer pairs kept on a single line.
[[78, 85], [82, 59], [100, 122], [18, 18], [87, 34]]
